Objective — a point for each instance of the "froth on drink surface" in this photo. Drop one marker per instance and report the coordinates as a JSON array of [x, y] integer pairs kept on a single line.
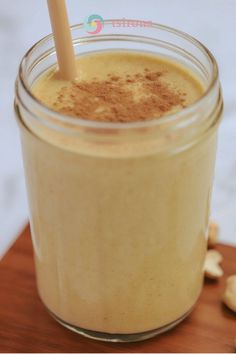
[[120, 86]]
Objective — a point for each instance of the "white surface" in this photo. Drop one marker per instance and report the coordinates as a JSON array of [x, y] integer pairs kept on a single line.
[[24, 22]]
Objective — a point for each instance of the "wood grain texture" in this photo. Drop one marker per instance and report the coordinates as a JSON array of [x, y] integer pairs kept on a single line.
[[25, 325]]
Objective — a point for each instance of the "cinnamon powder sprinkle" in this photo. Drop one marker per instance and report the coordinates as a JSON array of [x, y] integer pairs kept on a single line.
[[138, 97]]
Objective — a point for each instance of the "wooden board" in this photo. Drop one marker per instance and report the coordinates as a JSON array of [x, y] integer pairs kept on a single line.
[[25, 325]]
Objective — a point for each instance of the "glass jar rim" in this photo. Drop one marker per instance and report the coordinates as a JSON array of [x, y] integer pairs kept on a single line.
[[84, 123]]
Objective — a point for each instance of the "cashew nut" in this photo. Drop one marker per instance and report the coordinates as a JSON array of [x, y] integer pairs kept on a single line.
[[213, 233], [212, 266], [229, 296]]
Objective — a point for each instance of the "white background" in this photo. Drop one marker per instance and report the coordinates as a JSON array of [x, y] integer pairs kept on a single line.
[[22, 22]]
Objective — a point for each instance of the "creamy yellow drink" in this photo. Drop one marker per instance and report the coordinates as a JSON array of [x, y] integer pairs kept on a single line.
[[118, 228]]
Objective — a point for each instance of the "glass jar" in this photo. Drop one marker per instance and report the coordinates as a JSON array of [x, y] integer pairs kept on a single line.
[[119, 211]]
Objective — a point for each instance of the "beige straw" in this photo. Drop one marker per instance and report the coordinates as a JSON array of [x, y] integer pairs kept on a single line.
[[63, 39]]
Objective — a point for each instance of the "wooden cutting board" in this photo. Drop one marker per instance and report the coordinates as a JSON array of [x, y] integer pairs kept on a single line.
[[25, 325]]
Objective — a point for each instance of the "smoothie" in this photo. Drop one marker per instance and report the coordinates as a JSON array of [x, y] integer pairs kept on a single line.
[[118, 229]]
